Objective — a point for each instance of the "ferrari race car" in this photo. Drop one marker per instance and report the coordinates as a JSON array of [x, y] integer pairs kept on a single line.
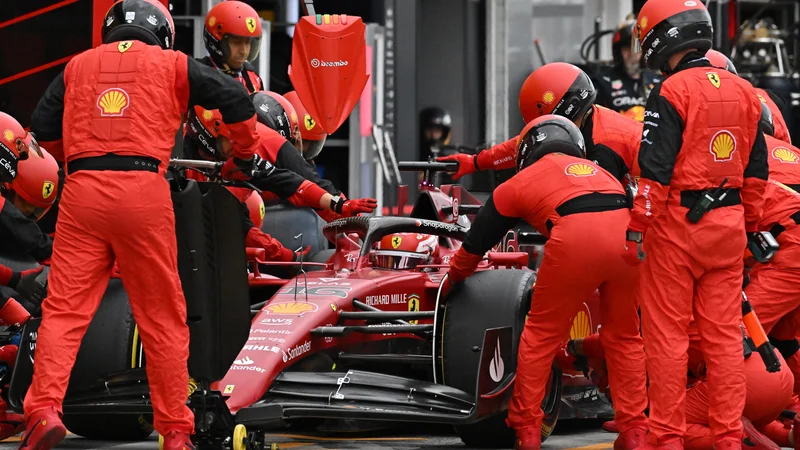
[[342, 339]]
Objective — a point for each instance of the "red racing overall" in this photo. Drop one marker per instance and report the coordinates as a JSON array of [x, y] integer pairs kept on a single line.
[[612, 141], [784, 162], [703, 128], [567, 189], [121, 105]]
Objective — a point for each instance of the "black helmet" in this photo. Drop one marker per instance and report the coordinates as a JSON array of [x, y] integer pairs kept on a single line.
[[139, 20], [765, 122], [273, 114], [548, 134], [435, 117], [666, 27], [622, 38]]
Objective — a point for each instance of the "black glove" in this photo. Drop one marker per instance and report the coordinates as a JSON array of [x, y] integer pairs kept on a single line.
[[238, 169], [33, 286], [17, 277]]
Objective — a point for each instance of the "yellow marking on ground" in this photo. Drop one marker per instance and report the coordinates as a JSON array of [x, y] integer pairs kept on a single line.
[[600, 446], [313, 438]]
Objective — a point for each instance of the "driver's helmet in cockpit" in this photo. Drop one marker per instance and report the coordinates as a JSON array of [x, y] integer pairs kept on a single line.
[[400, 251]]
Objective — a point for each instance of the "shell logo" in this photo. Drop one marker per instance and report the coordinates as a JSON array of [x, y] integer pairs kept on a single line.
[[112, 102], [723, 145], [207, 115], [47, 189], [291, 308], [784, 155], [212, 21], [548, 97], [580, 170], [9, 135], [581, 326], [643, 22]]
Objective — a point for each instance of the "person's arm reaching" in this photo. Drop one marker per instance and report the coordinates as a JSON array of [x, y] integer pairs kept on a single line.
[[496, 217], [662, 139], [755, 183], [273, 249], [47, 118], [500, 156]]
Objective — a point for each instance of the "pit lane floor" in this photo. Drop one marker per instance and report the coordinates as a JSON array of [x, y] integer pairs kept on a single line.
[[569, 434]]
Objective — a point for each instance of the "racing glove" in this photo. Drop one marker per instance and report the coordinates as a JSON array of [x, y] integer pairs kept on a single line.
[[33, 285], [349, 208], [568, 359], [238, 169], [273, 250], [12, 278], [462, 265], [327, 215], [632, 252], [467, 164]]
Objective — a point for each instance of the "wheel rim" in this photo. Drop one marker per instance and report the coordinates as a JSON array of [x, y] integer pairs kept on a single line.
[[239, 437]]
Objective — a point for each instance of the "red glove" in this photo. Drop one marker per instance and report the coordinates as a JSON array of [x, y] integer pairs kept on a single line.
[[273, 250], [327, 215], [11, 278], [467, 164], [349, 208], [238, 169], [632, 253], [462, 265]]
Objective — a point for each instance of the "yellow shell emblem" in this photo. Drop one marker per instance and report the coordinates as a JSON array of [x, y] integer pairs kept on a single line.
[[723, 145], [262, 211], [291, 308], [124, 46], [47, 189], [309, 122], [548, 97], [112, 102], [211, 21], [713, 77], [251, 24], [9, 135], [580, 170], [643, 22], [396, 241], [785, 155], [207, 115], [581, 326]]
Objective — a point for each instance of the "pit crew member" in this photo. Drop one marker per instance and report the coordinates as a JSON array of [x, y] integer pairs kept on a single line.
[[573, 195], [100, 117], [701, 141], [612, 140], [312, 134]]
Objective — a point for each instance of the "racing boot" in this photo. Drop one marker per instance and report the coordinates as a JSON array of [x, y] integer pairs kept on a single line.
[[610, 426], [13, 314], [631, 438], [752, 439], [528, 438], [11, 424], [44, 430], [175, 440]]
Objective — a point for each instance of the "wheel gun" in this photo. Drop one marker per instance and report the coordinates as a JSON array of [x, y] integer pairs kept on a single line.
[[759, 336]]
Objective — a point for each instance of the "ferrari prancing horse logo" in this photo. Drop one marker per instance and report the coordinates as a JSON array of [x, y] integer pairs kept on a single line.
[[713, 77], [251, 24], [47, 189], [309, 122], [396, 241]]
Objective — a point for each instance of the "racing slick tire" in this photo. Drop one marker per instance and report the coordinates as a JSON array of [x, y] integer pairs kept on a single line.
[[489, 299], [111, 345]]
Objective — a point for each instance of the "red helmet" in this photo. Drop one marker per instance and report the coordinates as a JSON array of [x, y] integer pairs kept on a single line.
[[556, 88], [204, 127], [276, 112], [148, 21], [313, 135], [36, 186], [666, 27], [548, 134], [231, 18], [255, 205], [717, 59], [400, 251], [15, 146]]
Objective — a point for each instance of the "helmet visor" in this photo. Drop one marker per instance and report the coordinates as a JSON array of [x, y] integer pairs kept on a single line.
[[239, 46], [395, 260], [312, 149]]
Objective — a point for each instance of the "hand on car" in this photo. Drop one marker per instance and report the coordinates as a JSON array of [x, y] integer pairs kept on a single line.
[[349, 208], [30, 287], [466, 163], [462, 265], [238, 169]]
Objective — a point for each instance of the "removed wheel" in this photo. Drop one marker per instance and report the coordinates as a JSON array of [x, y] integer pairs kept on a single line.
[[464, 322], [111, 345], [239, 438]]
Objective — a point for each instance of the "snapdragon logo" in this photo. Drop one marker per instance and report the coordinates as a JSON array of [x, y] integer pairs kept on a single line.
[[320, 63]]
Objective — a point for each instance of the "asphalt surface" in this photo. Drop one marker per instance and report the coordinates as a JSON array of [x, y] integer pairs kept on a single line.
[[569, 434]]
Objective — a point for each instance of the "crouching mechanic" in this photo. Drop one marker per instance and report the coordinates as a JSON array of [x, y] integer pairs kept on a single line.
[[612, 140], [209, 139], [98, 115], [572, 197], [700, 140], [767, 393]]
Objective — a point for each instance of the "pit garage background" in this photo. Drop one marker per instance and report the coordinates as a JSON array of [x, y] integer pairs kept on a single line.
[[469, 57]]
